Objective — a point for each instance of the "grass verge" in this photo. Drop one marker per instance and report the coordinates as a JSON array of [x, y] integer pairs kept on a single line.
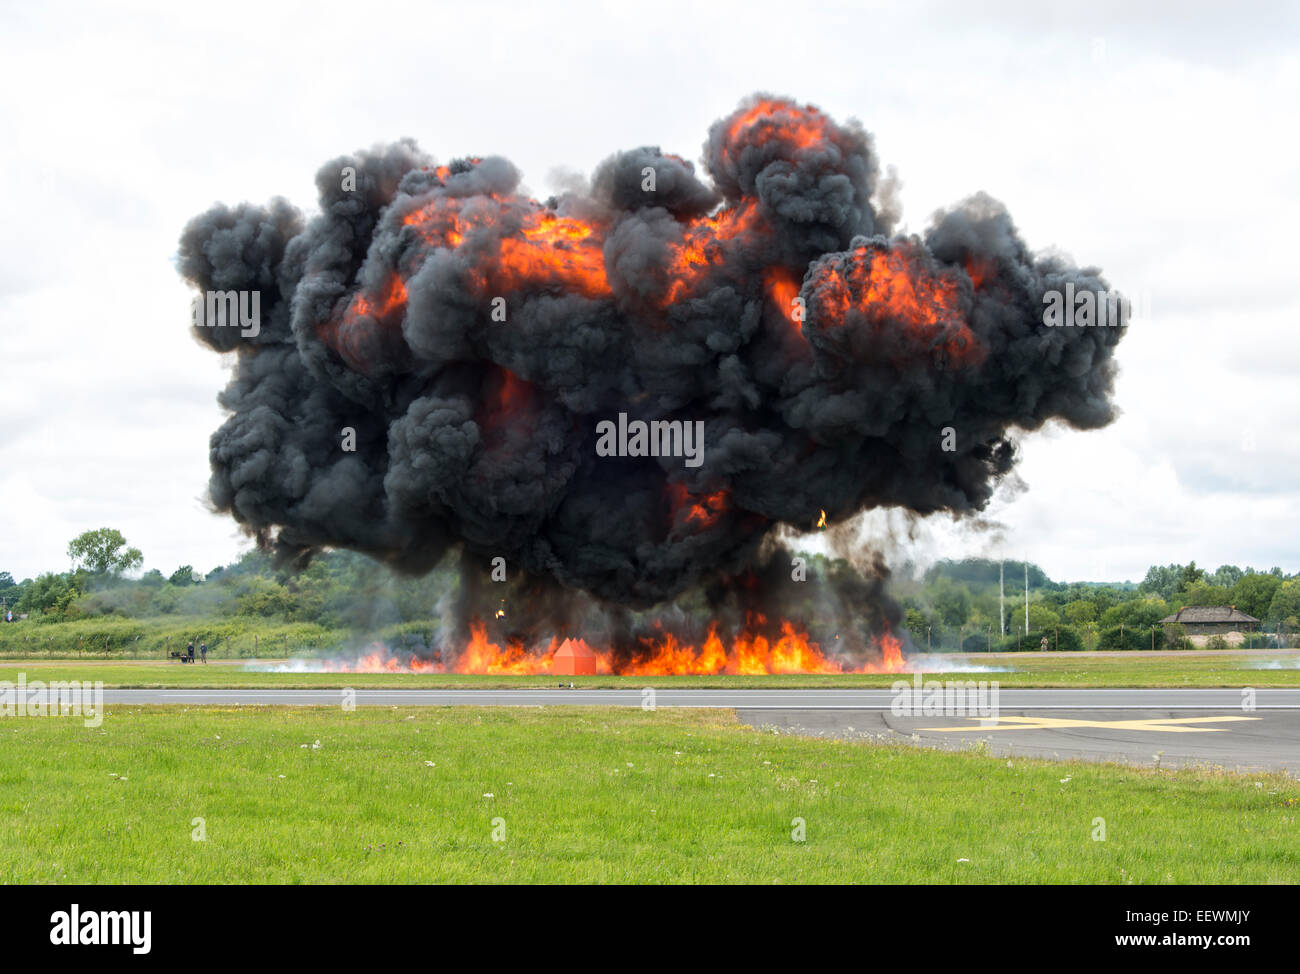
[[593, 795]]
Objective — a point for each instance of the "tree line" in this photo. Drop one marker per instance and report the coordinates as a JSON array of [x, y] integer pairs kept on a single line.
[[954, 604]]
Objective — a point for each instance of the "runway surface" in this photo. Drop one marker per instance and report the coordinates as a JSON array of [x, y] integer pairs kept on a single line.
[[1173, 728], [874, 699]]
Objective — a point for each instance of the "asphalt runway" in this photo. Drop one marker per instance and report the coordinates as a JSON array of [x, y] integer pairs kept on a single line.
[[1169, 727]]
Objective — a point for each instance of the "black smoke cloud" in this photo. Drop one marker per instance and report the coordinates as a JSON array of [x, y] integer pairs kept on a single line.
[[664, 304]]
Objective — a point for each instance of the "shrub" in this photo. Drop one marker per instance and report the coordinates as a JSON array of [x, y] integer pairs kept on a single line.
[[1128, 638], [1033, 640]]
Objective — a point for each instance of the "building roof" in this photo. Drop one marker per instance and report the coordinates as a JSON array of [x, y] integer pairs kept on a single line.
[[1208, 613]]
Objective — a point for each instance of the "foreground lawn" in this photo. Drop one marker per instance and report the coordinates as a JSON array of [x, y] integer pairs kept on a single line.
[[1028, 670], [594, 795]]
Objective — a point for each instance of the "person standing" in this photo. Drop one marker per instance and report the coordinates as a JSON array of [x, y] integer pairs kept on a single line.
[[189, 652], [203, 651]]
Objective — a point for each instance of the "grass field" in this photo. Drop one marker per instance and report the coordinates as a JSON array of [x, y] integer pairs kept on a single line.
[[586, 795], [1077, 670]]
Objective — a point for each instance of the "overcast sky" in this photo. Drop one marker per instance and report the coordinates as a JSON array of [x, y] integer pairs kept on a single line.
[[1158, 145]]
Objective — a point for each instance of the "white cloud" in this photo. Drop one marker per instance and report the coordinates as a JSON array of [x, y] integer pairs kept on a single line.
[[1157, 146]]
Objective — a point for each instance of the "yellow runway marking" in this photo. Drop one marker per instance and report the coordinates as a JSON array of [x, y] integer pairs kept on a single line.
[[1164, 725]]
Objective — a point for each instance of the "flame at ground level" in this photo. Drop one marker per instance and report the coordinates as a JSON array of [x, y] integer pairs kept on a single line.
[[745, 654]]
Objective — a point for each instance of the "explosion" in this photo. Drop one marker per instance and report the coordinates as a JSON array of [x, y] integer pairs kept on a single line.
[[437, 349], [749, 654]]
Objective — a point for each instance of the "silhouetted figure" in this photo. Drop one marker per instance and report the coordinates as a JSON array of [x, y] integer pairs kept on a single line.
[[203, 651]]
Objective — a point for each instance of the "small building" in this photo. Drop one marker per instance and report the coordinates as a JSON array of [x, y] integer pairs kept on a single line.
[[1201, 623]]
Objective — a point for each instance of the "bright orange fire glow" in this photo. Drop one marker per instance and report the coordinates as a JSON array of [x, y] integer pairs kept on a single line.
[[748, 653], [513, 400], [892, 285], [382, 305], [481, 656], [703, 245], [695, 511], [779, 121], [979, 270], [346, 334], [555, 250], [377, 659], [783, 288], [508, 243], [548, 251]]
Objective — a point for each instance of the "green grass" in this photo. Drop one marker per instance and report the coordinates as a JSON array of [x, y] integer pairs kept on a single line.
[[1082, 670], [594, 795]]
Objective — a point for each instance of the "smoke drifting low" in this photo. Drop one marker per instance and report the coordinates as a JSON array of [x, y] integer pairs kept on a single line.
[[824, 356]]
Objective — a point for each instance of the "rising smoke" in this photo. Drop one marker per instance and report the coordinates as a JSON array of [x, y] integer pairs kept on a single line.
[[824, 356]]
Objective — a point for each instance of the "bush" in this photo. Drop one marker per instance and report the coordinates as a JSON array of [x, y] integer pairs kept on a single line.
[[1069, 641], [1128, 638], [238, 637]]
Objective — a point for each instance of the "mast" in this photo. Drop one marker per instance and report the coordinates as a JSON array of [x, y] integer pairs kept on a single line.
[[1002, 599]]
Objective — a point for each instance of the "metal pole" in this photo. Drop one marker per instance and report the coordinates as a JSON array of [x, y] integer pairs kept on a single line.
[[1002, 599]]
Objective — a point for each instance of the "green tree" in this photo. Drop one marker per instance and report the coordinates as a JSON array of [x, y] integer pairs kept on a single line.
[[1254, 593], [1203, 592], [103, 552], [1140, 613], [182, 576], [49, 593], [1043, 616], [952, 602], [1081, 612], [1161, 580], [917, 625], [1190, 575], [1286, 602], [1227, 576]]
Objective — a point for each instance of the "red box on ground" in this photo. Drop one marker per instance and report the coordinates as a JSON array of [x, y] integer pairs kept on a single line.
[[574, 658]]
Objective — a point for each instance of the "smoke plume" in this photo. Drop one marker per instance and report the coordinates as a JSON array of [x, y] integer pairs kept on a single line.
[[835, 366]]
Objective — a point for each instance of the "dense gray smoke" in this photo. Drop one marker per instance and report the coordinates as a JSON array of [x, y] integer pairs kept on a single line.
[[474, 339]]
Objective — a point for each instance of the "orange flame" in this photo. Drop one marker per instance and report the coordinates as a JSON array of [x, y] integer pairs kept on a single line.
[[748, 654], [783, 288], [694, 511], [389, 300], [782, 122], [892, 286], [559, 251], [704, 244], [508, 243]]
